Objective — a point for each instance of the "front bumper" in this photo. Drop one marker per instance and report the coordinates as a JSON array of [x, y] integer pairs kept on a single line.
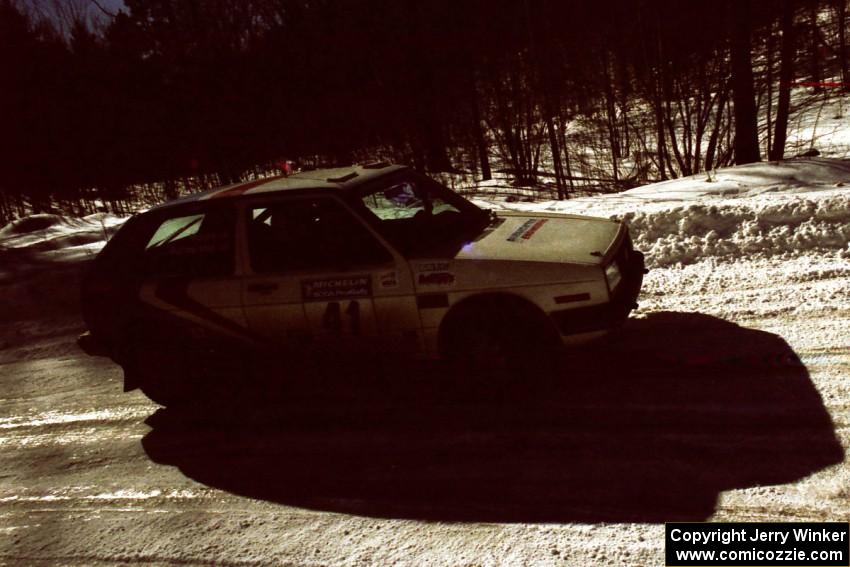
[[606, 315]]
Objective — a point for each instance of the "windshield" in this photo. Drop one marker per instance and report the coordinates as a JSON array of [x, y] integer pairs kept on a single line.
[[421, 217]]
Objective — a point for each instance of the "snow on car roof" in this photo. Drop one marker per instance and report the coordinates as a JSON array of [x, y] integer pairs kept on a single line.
[[312, 180]]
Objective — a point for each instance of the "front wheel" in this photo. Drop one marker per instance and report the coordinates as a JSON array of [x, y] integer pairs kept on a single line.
[[496, 339]]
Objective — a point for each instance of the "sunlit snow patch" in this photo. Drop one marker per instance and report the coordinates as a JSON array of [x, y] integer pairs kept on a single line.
[[59, 237], [56, 418]]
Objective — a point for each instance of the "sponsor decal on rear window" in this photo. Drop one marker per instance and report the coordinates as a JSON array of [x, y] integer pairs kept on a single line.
[[336, 288], [526, 230]]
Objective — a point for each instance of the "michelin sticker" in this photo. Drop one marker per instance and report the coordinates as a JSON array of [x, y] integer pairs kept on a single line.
[[336, 288], [526, 230]]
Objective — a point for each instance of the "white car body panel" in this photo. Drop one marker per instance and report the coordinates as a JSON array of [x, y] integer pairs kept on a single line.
[[555, 262], [277, 309]]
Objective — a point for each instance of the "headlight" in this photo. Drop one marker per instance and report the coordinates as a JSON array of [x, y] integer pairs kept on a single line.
[[612, 274]]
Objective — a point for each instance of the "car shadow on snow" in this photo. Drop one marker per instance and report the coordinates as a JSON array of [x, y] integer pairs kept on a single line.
[[648, 427]]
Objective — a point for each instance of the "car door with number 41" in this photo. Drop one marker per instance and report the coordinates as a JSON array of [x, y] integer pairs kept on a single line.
[[317, 276]]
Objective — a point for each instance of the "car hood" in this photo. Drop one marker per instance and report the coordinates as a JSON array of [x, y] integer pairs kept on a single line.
[[545, 238]]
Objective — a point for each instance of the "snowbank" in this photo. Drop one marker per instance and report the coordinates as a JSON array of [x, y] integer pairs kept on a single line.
[[690, 233], [31, 223], [58, 236], [757, 210]]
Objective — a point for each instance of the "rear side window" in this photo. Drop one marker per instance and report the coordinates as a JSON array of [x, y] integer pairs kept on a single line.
[[200, 244]]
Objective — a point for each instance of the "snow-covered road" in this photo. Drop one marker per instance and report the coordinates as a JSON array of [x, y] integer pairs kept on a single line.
[[726, 397]]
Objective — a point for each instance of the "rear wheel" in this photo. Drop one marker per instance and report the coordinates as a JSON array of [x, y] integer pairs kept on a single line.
[[160, 368]]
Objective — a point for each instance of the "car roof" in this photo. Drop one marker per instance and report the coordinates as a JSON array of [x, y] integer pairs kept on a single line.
[[333, 179]]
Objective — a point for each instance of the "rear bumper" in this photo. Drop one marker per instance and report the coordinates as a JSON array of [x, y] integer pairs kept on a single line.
[[606, 315], [92, 346]]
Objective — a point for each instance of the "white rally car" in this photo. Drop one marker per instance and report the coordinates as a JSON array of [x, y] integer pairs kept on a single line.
[[376, 258]]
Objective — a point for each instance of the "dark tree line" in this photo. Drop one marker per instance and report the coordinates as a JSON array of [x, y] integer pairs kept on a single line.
[[173, 95]]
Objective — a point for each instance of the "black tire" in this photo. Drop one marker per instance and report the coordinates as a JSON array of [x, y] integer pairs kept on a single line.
[[160, 369], [499, 338]]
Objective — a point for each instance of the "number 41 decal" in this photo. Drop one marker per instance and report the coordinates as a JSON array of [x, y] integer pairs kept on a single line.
[[332, 319]]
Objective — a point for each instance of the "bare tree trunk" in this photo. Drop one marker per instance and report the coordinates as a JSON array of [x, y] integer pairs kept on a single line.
[[5, 215], [611, 122], [786, 69], [527, 142], [478, 135], [556, 155], [661, 138], [746, 125], [550, 104], [706, 99], [841, 17], [814, 48], [669, 120], [437, 159], [714, 138], [170, 189], [771, 47], [563, 139]]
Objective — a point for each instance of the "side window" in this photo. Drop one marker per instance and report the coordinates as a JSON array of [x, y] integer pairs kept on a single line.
[[309, 234], [197, 245], [415, 215], [403, 200]]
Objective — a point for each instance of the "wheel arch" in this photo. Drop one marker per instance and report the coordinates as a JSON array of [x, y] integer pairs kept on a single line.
[[523, 308]]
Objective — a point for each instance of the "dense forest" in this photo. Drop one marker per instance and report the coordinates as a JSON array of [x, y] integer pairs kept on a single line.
[[167, 96]]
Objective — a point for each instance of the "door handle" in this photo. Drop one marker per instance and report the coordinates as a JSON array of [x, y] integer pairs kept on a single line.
[[262, 287]]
